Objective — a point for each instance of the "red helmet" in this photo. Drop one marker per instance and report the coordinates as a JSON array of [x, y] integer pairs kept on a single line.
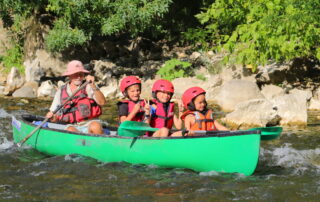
[[190, 94], [128, 81], [162, 85]]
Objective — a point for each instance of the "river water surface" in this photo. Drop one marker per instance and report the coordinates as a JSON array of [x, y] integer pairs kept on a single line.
[[288, 170]]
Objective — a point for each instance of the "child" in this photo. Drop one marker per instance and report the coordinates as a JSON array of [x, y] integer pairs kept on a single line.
[[162, 110], [198, 116], [132, 109]]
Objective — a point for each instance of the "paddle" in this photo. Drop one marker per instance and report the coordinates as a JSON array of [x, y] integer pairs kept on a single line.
[[269, 133], [134, 128], [54, 112]]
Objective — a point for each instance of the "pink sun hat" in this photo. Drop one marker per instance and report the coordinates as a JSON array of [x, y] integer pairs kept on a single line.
[[73, 67]]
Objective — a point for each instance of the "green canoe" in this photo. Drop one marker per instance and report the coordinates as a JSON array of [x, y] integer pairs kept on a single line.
[[230, 152]]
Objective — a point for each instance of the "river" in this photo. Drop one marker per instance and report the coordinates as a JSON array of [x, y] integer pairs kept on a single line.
[[288, 170]]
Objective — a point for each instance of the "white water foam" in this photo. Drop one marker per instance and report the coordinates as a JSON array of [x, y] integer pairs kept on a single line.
[[5, 144], [300, 160], [4, 114]]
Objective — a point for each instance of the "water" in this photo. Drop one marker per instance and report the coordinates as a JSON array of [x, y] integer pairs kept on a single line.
[[288, 170]]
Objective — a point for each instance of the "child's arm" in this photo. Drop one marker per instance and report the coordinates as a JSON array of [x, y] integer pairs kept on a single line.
[[188, 122], [132, 114], [177, 120], [219, 126]]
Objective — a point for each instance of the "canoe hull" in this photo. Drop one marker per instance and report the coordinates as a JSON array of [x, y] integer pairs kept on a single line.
[[231, 154]]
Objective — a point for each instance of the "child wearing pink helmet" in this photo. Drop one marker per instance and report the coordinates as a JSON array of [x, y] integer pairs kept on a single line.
[[162, 110], [132, 108], [198, 117]]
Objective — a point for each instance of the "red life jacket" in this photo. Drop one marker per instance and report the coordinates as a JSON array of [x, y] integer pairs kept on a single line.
[[203, 122], [78, 109], [140, 115], [162, 118]]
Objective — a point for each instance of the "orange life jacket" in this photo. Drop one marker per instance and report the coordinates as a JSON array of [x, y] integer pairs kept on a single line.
[[140, 114], [79, 108], [203, 122]]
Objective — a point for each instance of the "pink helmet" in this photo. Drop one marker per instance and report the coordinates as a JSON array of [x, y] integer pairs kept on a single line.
[[190, 94], [162, 85], [128, 81]]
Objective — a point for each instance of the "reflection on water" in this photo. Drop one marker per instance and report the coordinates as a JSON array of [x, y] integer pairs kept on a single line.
[[288, 170]]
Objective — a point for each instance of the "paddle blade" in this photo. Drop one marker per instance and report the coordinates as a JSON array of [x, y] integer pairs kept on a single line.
[[269, 133], [134, 128]]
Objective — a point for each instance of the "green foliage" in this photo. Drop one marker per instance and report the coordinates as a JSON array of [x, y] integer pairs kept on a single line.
[[258, 32], [76, 22], [175, 68], [79, 21], [13, 58]]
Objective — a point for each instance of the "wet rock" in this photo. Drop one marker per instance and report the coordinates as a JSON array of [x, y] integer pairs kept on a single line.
[[292, 108], [234, 92], [29, 90], [14, 81], [256, 112], [271, 91], [47, 89]]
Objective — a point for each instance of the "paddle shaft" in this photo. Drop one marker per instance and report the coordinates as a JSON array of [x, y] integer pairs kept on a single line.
[[54, 112]]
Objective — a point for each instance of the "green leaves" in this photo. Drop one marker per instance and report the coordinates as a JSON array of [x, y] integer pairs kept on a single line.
[[175, 68], [258, 32]]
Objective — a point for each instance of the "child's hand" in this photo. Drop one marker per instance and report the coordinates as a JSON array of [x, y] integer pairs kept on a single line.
[[136, 108], [147, 107]]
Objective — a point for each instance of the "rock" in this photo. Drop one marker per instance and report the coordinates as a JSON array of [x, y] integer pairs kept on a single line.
[[146, 89], [182, 84], [271, 91], [29, 90], [4, 39], [47, 89], [234, 92], [2, 90], [292, 108], [111, 91], [33, 71], [256, 112], [314, 104], [195, 55], [14, 81], [303, 94], [60, 83], [44, 64]]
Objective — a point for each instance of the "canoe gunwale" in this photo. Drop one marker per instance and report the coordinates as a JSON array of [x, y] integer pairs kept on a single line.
[[26, 117]]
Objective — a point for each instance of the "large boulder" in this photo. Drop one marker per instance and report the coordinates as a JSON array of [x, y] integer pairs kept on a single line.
[[14, 81], [292, 108], [271, 91], [29, 90], [234, 92], [256, 112], [44, 64]]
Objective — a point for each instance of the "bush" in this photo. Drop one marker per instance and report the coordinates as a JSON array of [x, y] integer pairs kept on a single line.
[[13, 58], [258, 32], [76, 22], [175, 68]]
